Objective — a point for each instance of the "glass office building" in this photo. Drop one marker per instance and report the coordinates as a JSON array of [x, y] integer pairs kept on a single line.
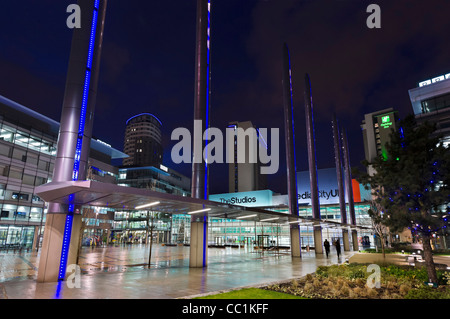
[[27, 155], [231, 232], [430, 102]]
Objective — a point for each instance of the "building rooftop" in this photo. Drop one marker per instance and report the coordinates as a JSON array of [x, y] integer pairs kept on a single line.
[[48, 125]]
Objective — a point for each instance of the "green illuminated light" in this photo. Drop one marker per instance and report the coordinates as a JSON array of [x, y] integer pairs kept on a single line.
[[385, 121]]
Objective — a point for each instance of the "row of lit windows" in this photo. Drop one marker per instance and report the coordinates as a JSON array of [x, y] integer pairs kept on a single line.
[[21, 213], [31, 158], [20, 175], [13, 236], [19, 137], [436, 103]]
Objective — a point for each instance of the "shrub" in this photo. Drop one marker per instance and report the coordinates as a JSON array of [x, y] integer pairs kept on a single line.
[[360, 282], [322, 271], [345, 289], [405, 246], [358, 273], [446, 277], [316, 283], [428, 293], [360, 292], [308, 288], [371, 292], [404, 288]]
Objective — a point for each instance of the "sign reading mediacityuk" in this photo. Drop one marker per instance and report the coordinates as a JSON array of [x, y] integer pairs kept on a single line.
[[328, 188], [327, 183], [250, 199]]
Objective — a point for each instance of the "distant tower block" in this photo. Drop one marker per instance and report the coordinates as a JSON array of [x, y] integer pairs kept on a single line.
[[246, 176], [143, 141]]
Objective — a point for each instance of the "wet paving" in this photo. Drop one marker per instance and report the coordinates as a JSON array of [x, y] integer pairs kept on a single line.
[[122, 272]]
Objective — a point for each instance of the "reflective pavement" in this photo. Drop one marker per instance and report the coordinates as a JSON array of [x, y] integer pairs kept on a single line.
[[121, 272]]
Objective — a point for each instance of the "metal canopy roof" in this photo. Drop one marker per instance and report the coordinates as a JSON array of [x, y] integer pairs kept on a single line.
[[93, 193]]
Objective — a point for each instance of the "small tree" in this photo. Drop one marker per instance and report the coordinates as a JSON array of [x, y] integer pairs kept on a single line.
[[377, 218], [411, 183]]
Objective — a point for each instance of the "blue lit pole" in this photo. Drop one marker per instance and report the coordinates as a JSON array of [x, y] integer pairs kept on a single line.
[[200, 176], [338, 149], [74, 138], [311, 143], [349, 189], [290, 151]]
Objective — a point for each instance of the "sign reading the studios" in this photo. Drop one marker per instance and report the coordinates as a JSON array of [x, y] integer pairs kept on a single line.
[[238, 200], [255, 198]]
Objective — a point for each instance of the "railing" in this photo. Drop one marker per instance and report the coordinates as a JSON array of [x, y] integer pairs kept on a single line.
[[15, 248]]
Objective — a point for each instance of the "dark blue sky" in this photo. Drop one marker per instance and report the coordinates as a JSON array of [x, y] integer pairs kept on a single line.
[[148, 64]]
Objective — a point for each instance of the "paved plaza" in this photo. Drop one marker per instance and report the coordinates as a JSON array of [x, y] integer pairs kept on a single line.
[[121, 272]]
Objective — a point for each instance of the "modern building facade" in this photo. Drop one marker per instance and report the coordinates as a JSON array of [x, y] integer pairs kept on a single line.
[[133, 226], [376, 128], [143, 141], [234, 232], [246, 176], [430, 101], [143, 169], [161, 179], [27, 157]]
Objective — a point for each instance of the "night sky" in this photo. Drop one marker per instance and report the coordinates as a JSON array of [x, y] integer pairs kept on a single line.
[[148, 65]]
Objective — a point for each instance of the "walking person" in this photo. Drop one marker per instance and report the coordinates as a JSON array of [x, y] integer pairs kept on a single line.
[[338, 248], [326, 244]]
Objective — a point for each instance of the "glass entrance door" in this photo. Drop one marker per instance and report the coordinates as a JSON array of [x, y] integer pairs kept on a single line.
[[27, 237], [13, 236], [3, 235]]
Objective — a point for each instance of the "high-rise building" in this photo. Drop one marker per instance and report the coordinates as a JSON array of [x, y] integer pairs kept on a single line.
[[376, 128], [431, 102], [144, 169], [143, 141], [246, 176]]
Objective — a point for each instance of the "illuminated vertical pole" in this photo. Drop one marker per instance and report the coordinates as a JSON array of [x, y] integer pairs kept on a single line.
[[311, 143], [349, 189], [200, 175], [290, 151], [340, 178], [63, 224]]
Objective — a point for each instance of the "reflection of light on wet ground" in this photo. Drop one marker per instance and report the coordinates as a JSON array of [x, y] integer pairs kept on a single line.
[[128, 258], [123, 272]]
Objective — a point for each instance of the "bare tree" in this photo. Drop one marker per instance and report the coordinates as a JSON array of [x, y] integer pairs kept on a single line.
[[377, 219]]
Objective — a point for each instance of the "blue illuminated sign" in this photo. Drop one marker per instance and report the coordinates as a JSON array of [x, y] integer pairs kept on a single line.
[[249, 199], [327, 184], [328, 188], [143, 114]]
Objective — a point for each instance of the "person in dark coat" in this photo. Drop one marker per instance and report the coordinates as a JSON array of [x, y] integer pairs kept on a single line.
[[338, 248], [326, 244]]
